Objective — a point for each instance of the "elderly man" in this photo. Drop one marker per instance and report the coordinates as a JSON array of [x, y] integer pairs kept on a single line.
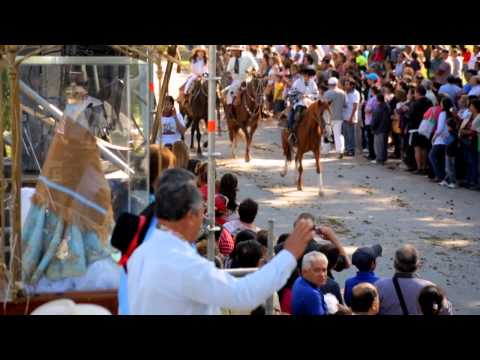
[[307, 298], [365, 300], [399, 295], [336, 99], [238, 66], [167, 276]]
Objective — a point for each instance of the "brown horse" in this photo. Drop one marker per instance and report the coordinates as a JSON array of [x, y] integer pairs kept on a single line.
[[309, 133], [195, 108], [247, 107]]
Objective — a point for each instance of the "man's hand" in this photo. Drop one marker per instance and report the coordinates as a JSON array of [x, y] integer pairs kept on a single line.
[[299, 238], [328, 234]]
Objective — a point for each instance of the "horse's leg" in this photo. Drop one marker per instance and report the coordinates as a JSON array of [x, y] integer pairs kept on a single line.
[[199, 138], [287, 153], [248, 139], [285, 169], [300, 173], [319, 172], [192, 134]]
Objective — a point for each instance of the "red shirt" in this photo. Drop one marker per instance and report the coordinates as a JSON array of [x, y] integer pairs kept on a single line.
[[226, 243], [286, 301]]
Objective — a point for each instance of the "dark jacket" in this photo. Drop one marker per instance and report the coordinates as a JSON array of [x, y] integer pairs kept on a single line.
[[381, 120]]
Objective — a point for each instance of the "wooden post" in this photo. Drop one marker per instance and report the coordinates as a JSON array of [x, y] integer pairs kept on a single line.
[[157, 124]]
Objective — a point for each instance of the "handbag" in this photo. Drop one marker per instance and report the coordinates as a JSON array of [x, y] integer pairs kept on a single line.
[[428, 124]]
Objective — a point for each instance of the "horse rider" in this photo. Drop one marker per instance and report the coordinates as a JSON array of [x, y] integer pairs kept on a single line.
[[198, 62], [238, 66], [303, 91]]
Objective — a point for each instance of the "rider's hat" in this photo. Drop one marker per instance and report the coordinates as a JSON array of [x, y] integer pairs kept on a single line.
[[237, 47], [308, 70], [199, 48]]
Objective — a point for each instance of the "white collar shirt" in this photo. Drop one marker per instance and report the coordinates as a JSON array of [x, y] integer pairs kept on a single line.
[[167, 276]]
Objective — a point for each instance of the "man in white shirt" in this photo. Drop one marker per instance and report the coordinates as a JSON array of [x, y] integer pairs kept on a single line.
[[167, 275], [303, 91], [238, 66], [350, 116], [336, 98]]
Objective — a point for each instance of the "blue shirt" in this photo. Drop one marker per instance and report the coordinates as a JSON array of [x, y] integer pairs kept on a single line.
[[307, 299], [362, 276]]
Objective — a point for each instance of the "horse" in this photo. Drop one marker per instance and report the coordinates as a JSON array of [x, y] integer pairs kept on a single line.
[[196, 109], [309, 133], [247, 105]]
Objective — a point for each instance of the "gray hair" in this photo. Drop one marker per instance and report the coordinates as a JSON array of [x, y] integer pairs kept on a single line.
[[309, 258], [406, 259], [427, 84], [176, 195]]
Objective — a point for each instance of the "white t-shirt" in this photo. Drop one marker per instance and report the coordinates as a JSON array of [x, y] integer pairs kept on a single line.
[[352, 98], [442, 130], [170, 133]]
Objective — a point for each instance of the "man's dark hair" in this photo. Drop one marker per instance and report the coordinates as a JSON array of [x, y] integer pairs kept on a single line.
[[309, 59], [247, 254], [451, 79], [280, 242], [380, 98], [175, 199], [421, 90], [362, 298], [245, 235], [247, 211], [476, 104], [472, 72], [332, 253], [375, 90], [262, 237]]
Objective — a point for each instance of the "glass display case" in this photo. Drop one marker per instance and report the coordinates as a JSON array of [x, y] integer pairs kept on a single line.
[[107, 104]]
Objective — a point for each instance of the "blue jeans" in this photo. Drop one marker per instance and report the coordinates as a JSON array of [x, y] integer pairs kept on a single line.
[[437, 159], [349, 133], [291, 117], [470, 156], [451, 176]]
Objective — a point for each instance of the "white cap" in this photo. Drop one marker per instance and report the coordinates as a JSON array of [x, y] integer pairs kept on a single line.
[[333, 81], [68, 307]]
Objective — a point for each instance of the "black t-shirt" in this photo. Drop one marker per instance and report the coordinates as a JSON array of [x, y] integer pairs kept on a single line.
[[419, 108]]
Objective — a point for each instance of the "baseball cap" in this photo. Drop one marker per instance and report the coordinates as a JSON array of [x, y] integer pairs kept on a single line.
[[333, 81], [372, 76], [363, 257]]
